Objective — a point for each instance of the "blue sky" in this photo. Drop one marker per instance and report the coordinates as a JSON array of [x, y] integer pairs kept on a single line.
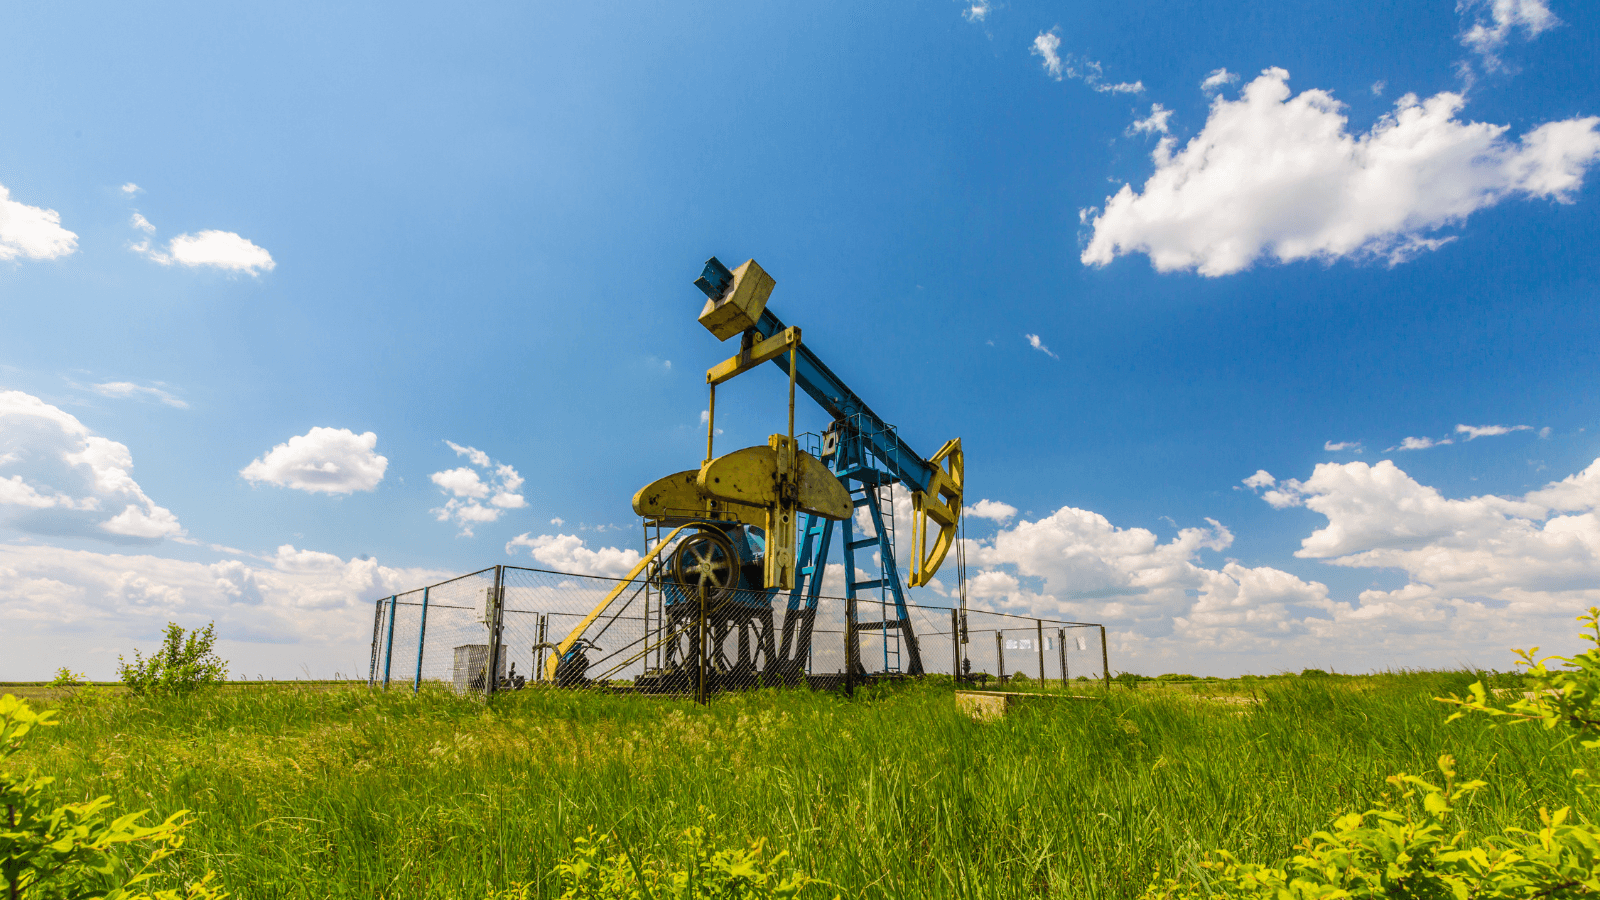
[[230, 230]]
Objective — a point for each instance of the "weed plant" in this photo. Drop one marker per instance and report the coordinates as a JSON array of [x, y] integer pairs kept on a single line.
[[356, 793]]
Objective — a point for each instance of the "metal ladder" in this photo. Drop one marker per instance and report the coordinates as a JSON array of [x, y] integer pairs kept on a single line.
[[872, 498]]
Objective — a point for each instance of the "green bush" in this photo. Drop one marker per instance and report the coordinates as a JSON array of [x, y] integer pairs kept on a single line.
[[1313, 673], [65, 677], [72, 851], [1407, 845], [599, 870], [183, 664]]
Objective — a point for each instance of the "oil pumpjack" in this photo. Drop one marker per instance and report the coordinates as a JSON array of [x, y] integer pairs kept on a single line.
[[757, 523]]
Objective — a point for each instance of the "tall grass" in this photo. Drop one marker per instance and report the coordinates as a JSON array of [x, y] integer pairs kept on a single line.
[[361, 794]]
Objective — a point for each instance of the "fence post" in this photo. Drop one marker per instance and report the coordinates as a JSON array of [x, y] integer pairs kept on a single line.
[[955, 645], [702, 695], [538, 658], [1105, 665], [377, 631], [422, 635], [388, 653], [1061, 648], [1000, 652], [497, 599], [852, 650], [1038, 627]]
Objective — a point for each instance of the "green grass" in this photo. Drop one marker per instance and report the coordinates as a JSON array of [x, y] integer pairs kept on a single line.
[[345, 792]]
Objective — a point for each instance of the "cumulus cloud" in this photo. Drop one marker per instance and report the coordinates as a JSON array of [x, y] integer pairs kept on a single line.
[[1155, 123], [130, 189], [1473, 432], [991, 509], [215, 249], [1037, 344], [1280, 177], [59, 478], [90, 606], [475, 499], [129, 389], [323, 460], [567, 553], [1475, 567], [1280, 496], [1492, 23], [1047, 46], [30, 232]]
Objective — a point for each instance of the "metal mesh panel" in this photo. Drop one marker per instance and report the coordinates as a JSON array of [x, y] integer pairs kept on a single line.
[[539, 629]]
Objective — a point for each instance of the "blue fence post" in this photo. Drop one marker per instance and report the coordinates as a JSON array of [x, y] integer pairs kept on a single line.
[[388, 654], [422, 634]]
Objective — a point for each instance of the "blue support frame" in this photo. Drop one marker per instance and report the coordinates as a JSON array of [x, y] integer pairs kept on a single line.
[[422, 634], [388, 653]]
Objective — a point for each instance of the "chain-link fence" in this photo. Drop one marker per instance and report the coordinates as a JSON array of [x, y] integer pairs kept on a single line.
[[651, 634]]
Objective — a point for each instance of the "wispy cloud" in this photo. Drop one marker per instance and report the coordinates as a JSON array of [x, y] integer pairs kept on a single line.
[[1419, 443], [129, 389], [1218, 79], [1155, 123], [1047, 46], [1332, 447], [1473, 432], [1035, 343], [978, 11], [1492, 23]]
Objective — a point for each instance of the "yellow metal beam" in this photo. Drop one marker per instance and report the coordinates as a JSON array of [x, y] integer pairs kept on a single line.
[[754, 354], [600, 609]]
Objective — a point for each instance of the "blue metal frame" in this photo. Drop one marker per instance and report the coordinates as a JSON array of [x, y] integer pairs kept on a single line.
[[422, 634], [388, 655]]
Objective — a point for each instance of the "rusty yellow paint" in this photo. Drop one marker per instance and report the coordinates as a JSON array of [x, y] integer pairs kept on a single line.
[[600, 608], [678, 496], [754, 353], [776, 482], [740, 307], [940, 505]]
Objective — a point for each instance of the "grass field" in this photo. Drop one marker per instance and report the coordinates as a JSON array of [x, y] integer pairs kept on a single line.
[[322, 792]]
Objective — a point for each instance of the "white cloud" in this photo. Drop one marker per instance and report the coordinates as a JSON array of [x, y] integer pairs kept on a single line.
[[29, 232], [1262, 478], [567, 553], [140, 222], [1218, 79], [1155, 123], [73, 482], [1333, 447], [1035, 343], [1473, 432], [1420, 443], [323, 460], [705, 419], [1278, 176], [129, 389], [1378, 88], [558, 521], [991, 509], [1282, 496], [977, 11], [298, 606], [1047, 46], [217, 249], [465, 489], [1493, 21], [130, 189]]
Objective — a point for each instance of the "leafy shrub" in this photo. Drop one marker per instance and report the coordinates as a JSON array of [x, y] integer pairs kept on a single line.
[[599, 870], [1313, 673], [1174, 676], [1406, 846], [65, 677], [184, 663], [72, 850]]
